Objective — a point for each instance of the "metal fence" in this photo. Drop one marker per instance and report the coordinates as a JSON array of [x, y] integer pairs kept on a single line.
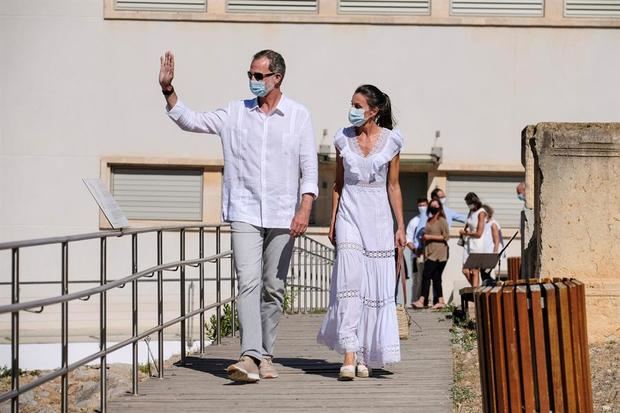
[[307, 291]]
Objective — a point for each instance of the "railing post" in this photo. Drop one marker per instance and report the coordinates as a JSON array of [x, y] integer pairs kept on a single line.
[[201, 276], [290, 287], [64, 310], [233, 293], [160, 306], [182, 290], [218, 285], [322, 277], [298, 275], [103, 330], [312, 291], [305, 275], [134, 314], [15, 328]]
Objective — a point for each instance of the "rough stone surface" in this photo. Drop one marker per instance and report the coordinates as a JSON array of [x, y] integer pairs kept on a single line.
[[83, 389], [573, 187]]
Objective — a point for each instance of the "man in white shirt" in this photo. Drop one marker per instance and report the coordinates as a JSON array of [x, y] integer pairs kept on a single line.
[[413, 234], [267, 143]]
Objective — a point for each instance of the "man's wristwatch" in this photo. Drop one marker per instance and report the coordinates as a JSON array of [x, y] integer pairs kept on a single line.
[[168, 92]]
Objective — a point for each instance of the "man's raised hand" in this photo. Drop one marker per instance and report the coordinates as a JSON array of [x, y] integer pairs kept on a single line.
[[166, 70]]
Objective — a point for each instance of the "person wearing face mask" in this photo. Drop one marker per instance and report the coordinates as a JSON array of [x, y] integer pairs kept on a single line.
[[414, 231], [267, 143], [361, 319], [473, 235], [435, 238], [451, 215]]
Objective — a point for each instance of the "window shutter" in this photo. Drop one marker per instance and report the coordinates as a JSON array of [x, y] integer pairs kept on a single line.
[[161, 5], [158, 194], [385, 7], [592, 8], [270, 6], [500, 192], [527, 8]]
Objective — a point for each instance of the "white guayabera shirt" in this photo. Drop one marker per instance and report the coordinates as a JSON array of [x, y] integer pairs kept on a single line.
[[263, 158]]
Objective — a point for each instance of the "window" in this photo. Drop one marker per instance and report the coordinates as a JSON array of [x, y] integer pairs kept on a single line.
[[271, 6], [497, 191], [161, 5], [372, 7], [592, 8], [527, 8], [147, 193]]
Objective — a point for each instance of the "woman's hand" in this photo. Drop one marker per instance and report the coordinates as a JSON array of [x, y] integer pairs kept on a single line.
[[332, 234], [399, 238], [462, 232]]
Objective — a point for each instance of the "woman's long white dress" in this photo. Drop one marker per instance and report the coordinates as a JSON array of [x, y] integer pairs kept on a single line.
[[361, 317]]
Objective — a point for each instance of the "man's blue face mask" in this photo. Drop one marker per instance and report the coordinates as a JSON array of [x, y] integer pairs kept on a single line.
[[258, 88], [521, 197]]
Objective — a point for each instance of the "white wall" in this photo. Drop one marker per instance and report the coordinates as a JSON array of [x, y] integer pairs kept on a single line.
[[75, 88]]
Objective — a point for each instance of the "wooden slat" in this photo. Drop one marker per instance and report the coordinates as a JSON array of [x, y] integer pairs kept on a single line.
[[585, 355], [499, 354], [483, 326], [554, 358], [512, 349], [525, 346], [566, 348], [543, 387]]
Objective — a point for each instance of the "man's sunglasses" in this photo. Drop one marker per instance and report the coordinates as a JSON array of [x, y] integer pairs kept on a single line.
[[259, 76]]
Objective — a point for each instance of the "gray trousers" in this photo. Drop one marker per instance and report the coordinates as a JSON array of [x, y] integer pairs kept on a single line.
[[262, 257]]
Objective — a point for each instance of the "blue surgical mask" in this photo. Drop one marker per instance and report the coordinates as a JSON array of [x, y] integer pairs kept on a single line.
[[443, 200], [422, 210], [258, 88], [356, 116], [521, 197]]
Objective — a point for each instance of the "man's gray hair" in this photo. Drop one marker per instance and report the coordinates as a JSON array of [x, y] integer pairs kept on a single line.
[[276, 61]]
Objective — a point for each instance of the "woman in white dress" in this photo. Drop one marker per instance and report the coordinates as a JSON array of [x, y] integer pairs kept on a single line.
[[361, 320], [473, 235], [493, 239]]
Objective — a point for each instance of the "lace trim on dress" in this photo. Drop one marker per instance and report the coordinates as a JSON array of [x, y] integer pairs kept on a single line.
[[347, 294], [370, 254], [386, 354], [350, 343], [379, 303], [375, 184], [376, 148]]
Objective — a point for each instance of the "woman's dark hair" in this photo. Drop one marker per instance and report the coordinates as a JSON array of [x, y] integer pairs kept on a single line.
[[435, 193], [378, 99], [490, 211], [440, 212], [472, 198]]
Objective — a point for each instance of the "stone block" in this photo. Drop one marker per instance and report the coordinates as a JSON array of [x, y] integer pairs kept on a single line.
[[573, 196]]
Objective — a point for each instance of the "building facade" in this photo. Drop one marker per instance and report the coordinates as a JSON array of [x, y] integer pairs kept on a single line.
[[80, 97]]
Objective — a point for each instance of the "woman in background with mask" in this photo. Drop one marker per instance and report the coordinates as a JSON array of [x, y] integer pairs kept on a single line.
[[361, 320], [436, 236], [473, 235]]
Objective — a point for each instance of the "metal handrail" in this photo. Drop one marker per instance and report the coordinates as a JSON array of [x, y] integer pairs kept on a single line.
[[318, 260], [44, 302], [101, 234]]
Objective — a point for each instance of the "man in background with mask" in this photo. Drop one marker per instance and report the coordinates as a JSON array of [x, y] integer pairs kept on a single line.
[[413, 234], [267, 143], [451, 215]]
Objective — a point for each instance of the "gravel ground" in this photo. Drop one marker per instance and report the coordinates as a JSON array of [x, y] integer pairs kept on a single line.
[[604, 362]]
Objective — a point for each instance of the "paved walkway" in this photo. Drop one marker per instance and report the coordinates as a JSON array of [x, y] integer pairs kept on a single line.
[[307, 382]]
